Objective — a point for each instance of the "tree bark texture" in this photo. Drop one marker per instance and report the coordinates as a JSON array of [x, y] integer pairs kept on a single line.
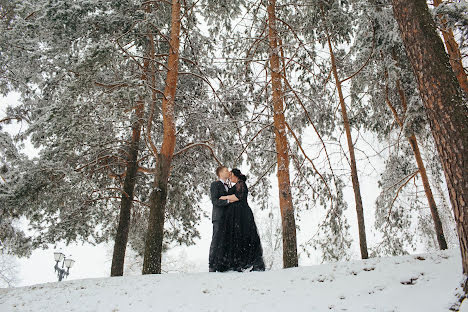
[[442, 97], [453, 51], [158, 197], [290, 258], [126, 202]]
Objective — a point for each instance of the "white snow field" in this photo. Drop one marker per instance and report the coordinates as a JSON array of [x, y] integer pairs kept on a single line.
[[426, 282]]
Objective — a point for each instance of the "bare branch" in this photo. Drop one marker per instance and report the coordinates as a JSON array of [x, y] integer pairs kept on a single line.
[[310, 160], [192, 145]]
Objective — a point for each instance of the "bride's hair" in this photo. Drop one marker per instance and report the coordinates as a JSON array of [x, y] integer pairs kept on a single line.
[[239, 174]]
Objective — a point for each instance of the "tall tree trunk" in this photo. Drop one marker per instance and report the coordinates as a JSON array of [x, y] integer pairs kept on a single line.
[[126, 202], [442, 97], [154, 235], [430, 197], [290, 258], [422, 169], [454, 52], [354, 173]]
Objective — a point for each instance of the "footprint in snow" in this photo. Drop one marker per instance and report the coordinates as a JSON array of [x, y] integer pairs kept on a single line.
[[411, 281]]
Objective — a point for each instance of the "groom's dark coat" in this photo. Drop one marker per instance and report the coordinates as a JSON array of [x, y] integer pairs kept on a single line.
[[217, 190]]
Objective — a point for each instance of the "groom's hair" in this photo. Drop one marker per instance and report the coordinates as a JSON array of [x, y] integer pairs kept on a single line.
[[218, 170]]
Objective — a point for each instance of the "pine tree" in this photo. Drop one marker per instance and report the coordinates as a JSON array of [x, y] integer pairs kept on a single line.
[[354, 172], [453, 51], [82, 110], [13, 238], [397, 92], [284, 186], [158, 197], [446, 109]]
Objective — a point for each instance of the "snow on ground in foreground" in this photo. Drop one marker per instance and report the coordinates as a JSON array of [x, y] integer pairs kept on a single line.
[[427, 282]]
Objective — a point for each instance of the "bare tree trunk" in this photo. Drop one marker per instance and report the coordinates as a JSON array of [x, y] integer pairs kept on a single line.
[[430, 197], [454, 52], [445, 209], [354, 173], [121, 238], [154, 235], [290, 258], [421, 168], [442, 97]]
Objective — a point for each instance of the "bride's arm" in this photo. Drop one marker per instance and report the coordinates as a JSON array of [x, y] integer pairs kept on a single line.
[[232, 198]]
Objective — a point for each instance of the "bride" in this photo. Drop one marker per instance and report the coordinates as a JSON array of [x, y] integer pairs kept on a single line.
[[239, 248]]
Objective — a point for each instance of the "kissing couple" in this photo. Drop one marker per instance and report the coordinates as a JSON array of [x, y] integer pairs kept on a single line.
[[235, 245]]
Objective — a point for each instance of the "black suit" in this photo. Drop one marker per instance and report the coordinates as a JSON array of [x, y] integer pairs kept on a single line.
[[217, 190]]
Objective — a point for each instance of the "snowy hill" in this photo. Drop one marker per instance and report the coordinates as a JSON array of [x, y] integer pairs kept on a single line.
[[427, 282]]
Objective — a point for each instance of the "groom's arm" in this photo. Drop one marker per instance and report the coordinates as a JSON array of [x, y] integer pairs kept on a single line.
[[215, 195]]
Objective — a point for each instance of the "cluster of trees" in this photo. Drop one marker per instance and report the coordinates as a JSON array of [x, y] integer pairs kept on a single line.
[[129, 102]]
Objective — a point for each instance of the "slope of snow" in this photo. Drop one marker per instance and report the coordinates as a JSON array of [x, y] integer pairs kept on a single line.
[[427, 282]]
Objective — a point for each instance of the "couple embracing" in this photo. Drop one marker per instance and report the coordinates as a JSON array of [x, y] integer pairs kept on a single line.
[[235, 245]]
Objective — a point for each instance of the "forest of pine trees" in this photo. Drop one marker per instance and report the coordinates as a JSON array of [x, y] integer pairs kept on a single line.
[[132, 105]]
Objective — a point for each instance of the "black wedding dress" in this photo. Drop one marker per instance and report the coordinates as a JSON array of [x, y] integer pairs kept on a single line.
[[239, 246]]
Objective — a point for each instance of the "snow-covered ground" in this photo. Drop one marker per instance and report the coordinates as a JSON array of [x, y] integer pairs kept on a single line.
[[427, 282]]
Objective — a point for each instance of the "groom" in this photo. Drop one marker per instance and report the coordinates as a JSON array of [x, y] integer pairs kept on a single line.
[[218, 188]]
